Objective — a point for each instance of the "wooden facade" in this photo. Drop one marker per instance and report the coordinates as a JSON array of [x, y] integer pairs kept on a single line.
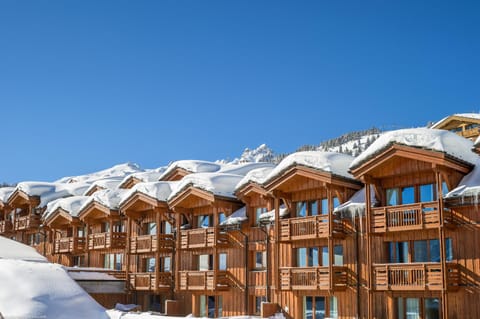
[[465, 125]]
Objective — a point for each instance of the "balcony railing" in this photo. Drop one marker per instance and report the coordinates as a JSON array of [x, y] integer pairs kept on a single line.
[[257, 279], [313, 278], [107, 240], [151, 243], [149, 281], [310, 227], [69, 245], [202, 238], [406, 217], [5, 226], [27, 222], [414, 276], [204, 280]]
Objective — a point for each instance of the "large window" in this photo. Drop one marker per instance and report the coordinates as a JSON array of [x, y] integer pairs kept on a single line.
[[258, 303], [320, 307], [260, 260], [318, 256], [113, 261], [205, 262], [210, 306], [307, 208], [411, 194], [418, 251], [204, 221], [416, 308], [222, 261]]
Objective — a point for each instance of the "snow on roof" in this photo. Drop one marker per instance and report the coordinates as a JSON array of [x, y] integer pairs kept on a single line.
[[468, 186], [257, 175], [243, 168], [220, 184], [475, 116], [51, 191], [355, 206], [120, 171], [10, 249], [157, 190], [150, 175], [71, 205], [89, 274], [431, 139], [109, 198], [106, 183], [477, 142], [117, 314], [329, 162], [5, 193], [193, 166], [237, 217], [270, 215]]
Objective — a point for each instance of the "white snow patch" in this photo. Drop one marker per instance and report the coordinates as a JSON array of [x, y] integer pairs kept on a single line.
[[237, 217], [469, 185], [355, 206], [329, 162], [270, 215], [71, 205], [244, 168], [5, 193], [431, 139], [157, 190], [257, 175], [117, 314], [107, 183], [150, 175], [10, 249], [117, 171], [110, 198], [192, 166], [51, 191], [215, 183]]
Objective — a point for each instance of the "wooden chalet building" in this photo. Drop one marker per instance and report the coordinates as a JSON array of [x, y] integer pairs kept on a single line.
[[466, 125], [6, 214], [315, 251], [414, 242], [150, 247], [210, 262]]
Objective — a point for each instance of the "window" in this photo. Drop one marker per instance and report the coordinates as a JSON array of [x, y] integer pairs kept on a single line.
[[221, 217], [314, 307], [336, 202], [113, 261], [301, 209], [260, 260], [166, 262], [325, 260], [150, 229], [118, 227], [324, 204], [78, 261], [333, 307], [408, 195], [150, 264], [313, 207], [416, 308], [259, 211], [81, 232], [307, 257], [205, 262], [105, 227], [393, 196], [338, 255], [207, 306], [222, 261], [167, 228], [258, 303], [398, 252], [421, 251], [205, 221], [427, 193], [307, 208]]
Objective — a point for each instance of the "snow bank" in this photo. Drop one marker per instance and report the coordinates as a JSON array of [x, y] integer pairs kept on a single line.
[[157, 190], [329, 162], [215, 183], [244, 168], [430, 139], [469, 186], [119, 171], [270, 215], [257, 175], [32, 288], [5, 193], [192, 166], [71, 205]]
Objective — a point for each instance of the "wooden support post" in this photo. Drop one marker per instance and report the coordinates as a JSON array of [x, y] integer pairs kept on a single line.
[[441, 239], [159, 232], [330, 237], [368, 209], [127, 250], [277, 244]]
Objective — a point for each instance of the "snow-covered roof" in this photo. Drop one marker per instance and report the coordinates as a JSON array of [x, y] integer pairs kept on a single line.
[[5, 193], [10, 249], [158, 190], [469, 186], [51, 191], [355, 206], [89, 273], [474, 116], [109, 198], [70, 204], [215, 183], [149, 175], [257, 175], [106, 183], [117, 171], [430, 139], [243, 168], [192, 166], [237, 217], [329, 162], [270, 215]]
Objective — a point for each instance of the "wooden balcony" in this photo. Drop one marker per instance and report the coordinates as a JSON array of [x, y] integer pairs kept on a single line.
[[406, 217], [69, 245], [148, 281], [27, 222], [310, 227], [107, 240], [257, 280], [313, 278], [204, 280], [5, 226], [202, 238], [151, 243], [414, 277]]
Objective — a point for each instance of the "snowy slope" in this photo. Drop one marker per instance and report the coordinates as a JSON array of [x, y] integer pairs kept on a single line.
[[33, 288], [117, 171], [262, 153]]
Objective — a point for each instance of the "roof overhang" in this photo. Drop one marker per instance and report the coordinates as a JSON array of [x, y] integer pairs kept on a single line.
[[20, 198], [60, 218], [190, 197], [140, 202], [454, 121], [130, 182], [175, 175], [95, 210], [435, 158], [251, 189], [301, 174]]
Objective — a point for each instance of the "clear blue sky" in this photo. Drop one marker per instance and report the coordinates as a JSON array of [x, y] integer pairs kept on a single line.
[[85, 84]]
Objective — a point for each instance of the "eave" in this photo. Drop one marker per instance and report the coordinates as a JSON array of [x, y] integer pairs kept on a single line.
[[60, 218], [129, 182], [139, 202], [96, 210], [175, 175], [19, 198], [251, 188]]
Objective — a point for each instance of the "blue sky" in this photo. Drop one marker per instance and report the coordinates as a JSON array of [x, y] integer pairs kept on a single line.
[[85, 84]]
